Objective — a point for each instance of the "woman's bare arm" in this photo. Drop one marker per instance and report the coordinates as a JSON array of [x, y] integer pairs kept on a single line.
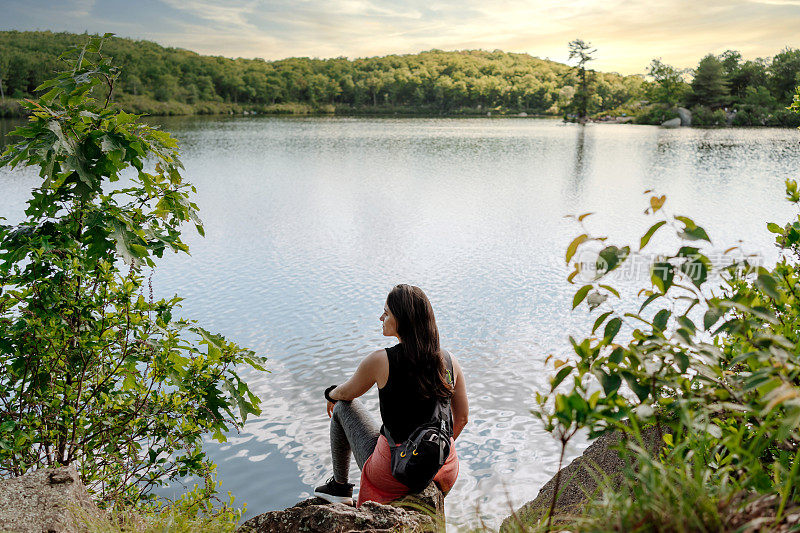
[[369, 372], [459, 404]]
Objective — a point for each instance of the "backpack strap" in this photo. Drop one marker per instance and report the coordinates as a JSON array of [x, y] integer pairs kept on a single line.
[[389, 438], [448, 366]]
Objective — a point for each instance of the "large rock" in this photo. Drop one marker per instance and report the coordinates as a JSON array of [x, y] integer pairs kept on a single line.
[[579, 479], [685, 116], [418, 513], [672, 123], [44, 501]]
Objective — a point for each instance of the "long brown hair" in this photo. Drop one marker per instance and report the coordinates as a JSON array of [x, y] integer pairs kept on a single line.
[[416, 327]]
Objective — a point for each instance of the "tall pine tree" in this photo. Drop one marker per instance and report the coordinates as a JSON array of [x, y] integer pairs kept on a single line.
[[710, 85]]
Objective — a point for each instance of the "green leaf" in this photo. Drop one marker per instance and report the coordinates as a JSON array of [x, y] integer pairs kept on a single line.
[[683, 361], [696, 269], [687, 222], [649, 300], [600, 320], [769, 285], [774, 228], [559, 377], [641, 391], [686, 322], [610, 383], [611, 257], [580, 295], [660, 320], [573, 246], [610, 289], [694, 234], [611, 330], [649, 234], [712, 315], [662, 274]]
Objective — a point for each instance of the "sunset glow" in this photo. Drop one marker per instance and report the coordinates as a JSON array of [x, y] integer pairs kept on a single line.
[[627, 34]]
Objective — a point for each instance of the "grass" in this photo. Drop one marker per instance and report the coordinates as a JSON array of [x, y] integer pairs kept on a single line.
[[164, 521]]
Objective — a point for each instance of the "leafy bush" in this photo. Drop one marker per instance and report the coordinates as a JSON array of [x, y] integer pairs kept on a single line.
[[93, 371], [753, 116], [718, 364], [196, 510], [655, 114], [705, 116], [783, 118]]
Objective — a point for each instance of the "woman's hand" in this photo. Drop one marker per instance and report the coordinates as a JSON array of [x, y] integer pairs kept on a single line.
[[330, 409]]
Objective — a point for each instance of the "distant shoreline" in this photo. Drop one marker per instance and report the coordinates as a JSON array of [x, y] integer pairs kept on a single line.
[[11, 109]]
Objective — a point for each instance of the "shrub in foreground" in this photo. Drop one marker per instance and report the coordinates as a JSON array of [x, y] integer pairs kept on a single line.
[[93, 370], [717, 361]]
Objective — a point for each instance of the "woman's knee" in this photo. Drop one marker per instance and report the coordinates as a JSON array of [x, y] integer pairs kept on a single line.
[[342, 407]]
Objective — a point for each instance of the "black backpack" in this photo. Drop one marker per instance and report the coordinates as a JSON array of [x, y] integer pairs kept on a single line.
[[418, 459]]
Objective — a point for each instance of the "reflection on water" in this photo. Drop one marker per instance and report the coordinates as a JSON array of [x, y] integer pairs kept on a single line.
[[310, 222]]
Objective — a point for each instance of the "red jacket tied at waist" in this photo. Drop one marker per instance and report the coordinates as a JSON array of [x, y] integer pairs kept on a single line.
[[378, 485]]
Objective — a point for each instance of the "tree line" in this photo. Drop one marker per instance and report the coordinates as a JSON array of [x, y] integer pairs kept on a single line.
[[159, 80], [434, 80], [756, 90]]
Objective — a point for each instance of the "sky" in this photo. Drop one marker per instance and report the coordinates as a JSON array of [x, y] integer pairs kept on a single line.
[[628, 34]]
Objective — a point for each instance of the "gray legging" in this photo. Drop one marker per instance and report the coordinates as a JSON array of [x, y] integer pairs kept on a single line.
[[352, 428]]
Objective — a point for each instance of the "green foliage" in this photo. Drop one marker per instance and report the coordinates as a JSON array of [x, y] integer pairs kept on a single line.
[[717, 365], [655, 114], [583, 101], [710, 85], [785, 74], [757, 89], [157, 78], [743, 76], [652, 496], [200, 509], [668, 86], [94, 371], [705, 116]]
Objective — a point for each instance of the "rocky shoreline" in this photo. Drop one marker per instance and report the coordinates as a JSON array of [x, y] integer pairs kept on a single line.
[[53, 500]]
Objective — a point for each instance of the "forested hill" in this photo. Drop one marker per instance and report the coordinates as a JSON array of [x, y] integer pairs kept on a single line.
[[429, 81]]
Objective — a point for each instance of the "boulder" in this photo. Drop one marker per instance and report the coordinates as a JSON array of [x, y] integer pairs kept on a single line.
[[685, 116], [416, 513], [672, 123], [44, 501], [579, 478]]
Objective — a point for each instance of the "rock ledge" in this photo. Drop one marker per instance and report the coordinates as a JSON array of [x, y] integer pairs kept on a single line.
[[419, 513], [44, 501]]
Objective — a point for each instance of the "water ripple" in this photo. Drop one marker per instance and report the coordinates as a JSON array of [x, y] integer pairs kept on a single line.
[[309, 223]]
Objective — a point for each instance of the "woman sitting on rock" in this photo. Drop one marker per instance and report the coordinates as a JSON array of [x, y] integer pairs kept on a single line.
[[412, 377]]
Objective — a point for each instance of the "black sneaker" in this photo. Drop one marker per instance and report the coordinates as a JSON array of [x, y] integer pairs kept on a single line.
[[335, 492]]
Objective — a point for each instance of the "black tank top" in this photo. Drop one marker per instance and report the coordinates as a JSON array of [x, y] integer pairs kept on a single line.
[[403, 409]]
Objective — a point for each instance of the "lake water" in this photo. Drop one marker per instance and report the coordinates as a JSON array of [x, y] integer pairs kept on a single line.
[[310, 222]]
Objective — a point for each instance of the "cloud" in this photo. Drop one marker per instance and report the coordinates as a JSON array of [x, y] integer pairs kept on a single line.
[[627, 33]]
